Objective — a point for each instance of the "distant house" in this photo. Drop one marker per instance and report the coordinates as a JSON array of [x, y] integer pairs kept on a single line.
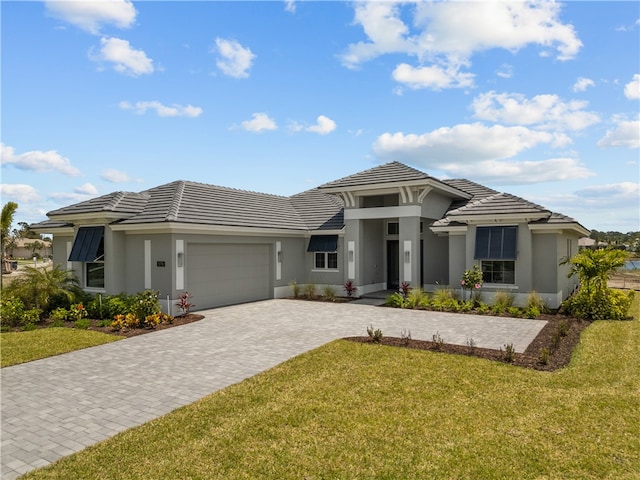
[[380, 227], [29, 247]]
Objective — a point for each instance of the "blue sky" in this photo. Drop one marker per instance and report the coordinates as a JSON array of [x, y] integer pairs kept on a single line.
[[540, 100]]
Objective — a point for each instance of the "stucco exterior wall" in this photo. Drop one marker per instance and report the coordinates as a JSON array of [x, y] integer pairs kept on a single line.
[[435, 258]]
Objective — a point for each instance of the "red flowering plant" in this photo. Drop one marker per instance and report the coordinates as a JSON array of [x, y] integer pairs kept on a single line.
[[78, 311], [472, 280]]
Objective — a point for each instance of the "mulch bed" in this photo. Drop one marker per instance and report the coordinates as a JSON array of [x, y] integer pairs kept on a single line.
[[132, 332], [559, 351]]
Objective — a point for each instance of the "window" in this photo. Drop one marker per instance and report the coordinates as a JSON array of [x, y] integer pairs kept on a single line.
[[499, 271], [88, 247], [94, 273], [326, 261], [496, 243], [393, 228]]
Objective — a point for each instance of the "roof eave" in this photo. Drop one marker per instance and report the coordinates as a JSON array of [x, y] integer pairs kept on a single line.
[[559, 227], [190, 228]]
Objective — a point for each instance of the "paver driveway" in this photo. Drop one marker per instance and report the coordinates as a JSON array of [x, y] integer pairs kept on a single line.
[[59, 405]]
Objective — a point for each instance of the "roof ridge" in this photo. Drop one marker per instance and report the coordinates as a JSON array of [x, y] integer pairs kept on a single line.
[[174, 208], [222, 187], [117, 198]]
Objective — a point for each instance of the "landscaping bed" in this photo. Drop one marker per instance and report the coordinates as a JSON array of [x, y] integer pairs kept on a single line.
[[559, 336]]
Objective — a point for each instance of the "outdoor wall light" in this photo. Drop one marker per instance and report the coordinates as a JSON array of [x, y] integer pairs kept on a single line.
[[279, 256], [351, 255], [180, 259], [407, 257]]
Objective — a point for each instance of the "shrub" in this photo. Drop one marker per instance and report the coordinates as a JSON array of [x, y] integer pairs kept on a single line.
[[295, 288], [29, 326], [437, 340], [11, 310], [310, 291], [404, 288], [395, 300], [531, 312], [416, 298], [57, 323], [144, 304], [82, 323], [350, 288], [31, 316], [78, 312], [472, 280], [509, 353], [445, 300], [514, 312], [375, 335], [329, 293], [152, 321], [184, 303], [543, 356], [60, 314], [604, 304], [535, 301], [501, 302]]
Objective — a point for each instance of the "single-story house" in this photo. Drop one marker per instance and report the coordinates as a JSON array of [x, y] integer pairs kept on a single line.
[[379, 227]]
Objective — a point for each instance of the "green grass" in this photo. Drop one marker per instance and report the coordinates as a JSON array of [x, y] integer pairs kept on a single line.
[[21, 347], [349, 410]]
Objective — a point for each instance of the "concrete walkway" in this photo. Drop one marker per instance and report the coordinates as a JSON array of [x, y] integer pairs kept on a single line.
[[59, 405]]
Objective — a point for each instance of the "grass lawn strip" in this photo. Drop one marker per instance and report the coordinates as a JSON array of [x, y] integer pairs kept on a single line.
[[349, 410], [21, 347]]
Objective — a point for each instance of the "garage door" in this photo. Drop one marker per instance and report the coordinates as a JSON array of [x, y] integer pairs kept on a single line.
[[227, 274]]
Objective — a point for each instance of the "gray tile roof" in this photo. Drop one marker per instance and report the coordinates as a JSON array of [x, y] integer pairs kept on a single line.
[[319, 211], [387, 173], [191, 202], [498, 204], [121, 202]]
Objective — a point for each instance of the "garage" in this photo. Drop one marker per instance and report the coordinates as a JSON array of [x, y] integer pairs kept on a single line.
[[226, 274]]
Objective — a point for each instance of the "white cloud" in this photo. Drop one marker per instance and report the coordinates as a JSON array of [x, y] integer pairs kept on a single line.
[[234, 59], [434, 77], [582, 84], [626, 133], [86, 189], [19, 193], [259, 123], [91, 15], [323, 126], [162, 110], [481, 152], [543, 111], [632, 89], [505, 71], [65, 198], [115, 176], [290, 6], [463, 143], [125, 59], [38, 161], [615, 193], [453, 31]]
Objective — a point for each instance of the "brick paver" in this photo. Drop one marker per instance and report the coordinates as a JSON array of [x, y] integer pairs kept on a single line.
[[60, 405]]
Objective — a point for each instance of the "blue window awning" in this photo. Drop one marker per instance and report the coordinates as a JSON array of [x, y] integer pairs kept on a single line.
[[323, 243], [496, 243], [88, 245]]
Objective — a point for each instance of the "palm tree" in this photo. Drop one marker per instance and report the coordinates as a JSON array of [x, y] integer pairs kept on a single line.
[[6, 219], [37, 286], [595, 267]]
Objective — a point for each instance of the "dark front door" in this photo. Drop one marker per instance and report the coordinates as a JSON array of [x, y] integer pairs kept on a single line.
[[393, 264]]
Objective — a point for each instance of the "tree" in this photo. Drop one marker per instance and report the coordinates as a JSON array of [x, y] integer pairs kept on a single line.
[[594, 300], [25, 232], [6, 219], [37, 286], [33, 246]]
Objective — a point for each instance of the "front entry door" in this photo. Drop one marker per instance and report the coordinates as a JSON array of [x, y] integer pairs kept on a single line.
[[393, 264]]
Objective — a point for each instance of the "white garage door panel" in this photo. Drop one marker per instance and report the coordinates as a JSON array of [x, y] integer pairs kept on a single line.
[[227, 274]]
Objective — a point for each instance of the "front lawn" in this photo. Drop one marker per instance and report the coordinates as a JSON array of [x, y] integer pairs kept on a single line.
[[349, 410], [21, 347]]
